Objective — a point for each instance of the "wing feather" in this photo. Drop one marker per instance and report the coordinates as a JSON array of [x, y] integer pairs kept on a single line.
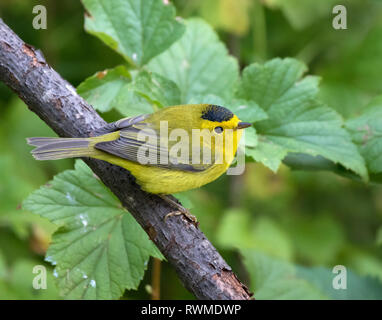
[[140, 143]]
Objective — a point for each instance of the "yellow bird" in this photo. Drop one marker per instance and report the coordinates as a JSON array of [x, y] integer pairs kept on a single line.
[[166, 151]]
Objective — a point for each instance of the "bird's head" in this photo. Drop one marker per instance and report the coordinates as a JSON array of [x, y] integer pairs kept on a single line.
[[218, 119]]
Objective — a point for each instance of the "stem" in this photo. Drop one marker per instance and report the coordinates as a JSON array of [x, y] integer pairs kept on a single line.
[[155, 282]]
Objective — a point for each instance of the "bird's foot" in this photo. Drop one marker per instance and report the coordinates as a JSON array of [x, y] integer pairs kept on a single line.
[[185, 213], [180, 211]]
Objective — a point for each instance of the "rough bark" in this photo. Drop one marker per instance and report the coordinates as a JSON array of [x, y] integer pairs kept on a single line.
[[199, 266]]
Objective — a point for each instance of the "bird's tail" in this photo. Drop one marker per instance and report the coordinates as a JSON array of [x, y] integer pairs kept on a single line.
[[61, 148]]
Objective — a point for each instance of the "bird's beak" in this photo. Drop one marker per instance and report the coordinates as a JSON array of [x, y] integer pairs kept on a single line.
[[242, 125]]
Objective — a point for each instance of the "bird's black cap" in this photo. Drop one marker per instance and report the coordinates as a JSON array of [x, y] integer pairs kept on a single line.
[[216, 113]]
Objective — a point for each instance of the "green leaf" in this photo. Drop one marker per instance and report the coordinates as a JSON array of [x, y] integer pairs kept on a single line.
[[99, 250], [276, 279], [301, 161], [156, 89], [131, 94], [137, 29], [343, 97], [357, 287], [274, 83], [209, 99], [198, 63], [250, 135], [272, 278], [247, 110], [366, 131], [297, 121], [268, 153], [130, 104], [104, 89]]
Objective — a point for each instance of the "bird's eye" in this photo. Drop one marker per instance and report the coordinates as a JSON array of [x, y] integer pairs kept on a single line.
[[218, 129]]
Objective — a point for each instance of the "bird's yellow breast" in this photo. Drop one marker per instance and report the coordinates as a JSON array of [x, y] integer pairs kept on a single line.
[[166, 181]]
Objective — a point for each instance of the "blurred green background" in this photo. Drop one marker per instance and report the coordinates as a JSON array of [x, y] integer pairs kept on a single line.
[[306, 218]]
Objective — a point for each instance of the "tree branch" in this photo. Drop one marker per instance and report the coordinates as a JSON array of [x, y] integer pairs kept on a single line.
[[199, 266]]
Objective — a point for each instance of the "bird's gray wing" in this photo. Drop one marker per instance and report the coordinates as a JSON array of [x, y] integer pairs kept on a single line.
[[140, 143]]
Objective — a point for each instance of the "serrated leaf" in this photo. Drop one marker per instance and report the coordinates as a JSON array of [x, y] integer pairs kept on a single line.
[[198, 63], [251, 139], [268, 83], [115, 89], [137, 29], [99, 250], [103, 89], [247, 110], [302, 161], [366, 131], [268, 153], [156, 89], [297, 121], [130, 104]]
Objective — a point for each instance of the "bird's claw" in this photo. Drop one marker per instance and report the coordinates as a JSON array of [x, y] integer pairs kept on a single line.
[[180, 211], [184, 213]]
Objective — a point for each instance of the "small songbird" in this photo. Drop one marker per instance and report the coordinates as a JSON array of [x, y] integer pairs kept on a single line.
[[148, 146]]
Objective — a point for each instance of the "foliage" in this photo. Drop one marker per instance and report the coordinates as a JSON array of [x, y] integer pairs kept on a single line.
[[99, 249], [289, 228], [367, 130], [275, 279], [137, 29]]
